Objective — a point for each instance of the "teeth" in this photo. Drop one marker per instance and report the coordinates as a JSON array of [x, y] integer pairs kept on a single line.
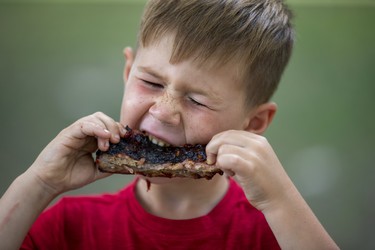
[[158, 142]]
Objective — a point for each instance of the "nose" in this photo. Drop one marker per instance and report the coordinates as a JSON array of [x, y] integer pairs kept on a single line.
[[165, 109]]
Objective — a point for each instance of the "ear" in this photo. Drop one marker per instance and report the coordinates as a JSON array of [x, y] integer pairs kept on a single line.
[[261, 117], [129, 59]]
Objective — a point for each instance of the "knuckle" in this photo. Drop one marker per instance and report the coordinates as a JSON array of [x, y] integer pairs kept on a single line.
[[263, 140], [78, 124], [228, 160], [234, 160], [223, 149], [99, 113], [260, 143], [215, 137], [92, 117]]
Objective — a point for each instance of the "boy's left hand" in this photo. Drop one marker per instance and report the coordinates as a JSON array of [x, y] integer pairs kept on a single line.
[[250, 159]]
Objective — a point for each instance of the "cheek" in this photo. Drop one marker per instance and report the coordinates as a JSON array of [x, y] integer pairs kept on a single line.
[[132, 108], [202, 127]]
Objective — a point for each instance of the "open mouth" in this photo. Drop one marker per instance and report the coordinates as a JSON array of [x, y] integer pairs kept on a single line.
[[144, 154], [157, 141]]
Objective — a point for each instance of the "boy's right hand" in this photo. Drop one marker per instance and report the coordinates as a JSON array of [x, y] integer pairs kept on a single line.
[[67, 162]]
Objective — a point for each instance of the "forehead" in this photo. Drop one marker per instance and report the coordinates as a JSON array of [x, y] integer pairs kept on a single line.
[[162, 50], [221, 81]]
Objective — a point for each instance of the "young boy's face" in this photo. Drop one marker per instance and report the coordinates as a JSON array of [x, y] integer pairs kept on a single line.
[[181, 103]]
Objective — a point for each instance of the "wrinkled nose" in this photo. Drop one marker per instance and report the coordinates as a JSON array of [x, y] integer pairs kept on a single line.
[[165, 109]]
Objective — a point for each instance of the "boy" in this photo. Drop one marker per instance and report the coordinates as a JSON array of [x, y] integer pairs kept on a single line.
[[203, 73]]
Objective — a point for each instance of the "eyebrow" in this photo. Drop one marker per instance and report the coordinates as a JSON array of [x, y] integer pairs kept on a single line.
[[150, 71], [206, 92]]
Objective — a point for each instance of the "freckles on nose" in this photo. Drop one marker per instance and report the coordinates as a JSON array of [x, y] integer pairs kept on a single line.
[[165, 110]]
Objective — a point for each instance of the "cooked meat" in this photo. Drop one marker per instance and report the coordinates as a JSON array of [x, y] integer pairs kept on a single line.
[[136, 154]]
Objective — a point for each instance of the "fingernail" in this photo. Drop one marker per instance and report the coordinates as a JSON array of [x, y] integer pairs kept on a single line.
[[117, 137], [123, 131], [106, 130]]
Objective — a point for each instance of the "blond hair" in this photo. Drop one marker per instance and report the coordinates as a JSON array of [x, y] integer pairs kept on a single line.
[[255, 35]]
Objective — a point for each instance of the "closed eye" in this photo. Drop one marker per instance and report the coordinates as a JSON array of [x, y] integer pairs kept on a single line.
[[195, 102], [153, 84]]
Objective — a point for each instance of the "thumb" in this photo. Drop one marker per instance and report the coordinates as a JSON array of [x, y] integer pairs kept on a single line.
[[211, 158]]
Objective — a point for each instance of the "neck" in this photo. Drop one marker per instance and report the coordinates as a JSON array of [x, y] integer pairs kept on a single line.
[[181, 198]]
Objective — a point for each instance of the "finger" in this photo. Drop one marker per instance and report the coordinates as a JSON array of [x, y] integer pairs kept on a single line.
[[229, 172], [97, 130], [232, 164], [110, 125], [237, 159], [231, 137], [211, 158], [122, 129], [87, 128]]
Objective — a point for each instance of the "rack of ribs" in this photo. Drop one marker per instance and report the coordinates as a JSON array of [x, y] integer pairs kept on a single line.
[[137, 154]]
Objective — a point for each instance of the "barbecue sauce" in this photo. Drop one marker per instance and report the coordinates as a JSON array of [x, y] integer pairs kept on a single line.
[[136, 145]]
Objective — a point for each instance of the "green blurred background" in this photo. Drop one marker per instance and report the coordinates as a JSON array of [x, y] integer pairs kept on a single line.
[[61, 60]]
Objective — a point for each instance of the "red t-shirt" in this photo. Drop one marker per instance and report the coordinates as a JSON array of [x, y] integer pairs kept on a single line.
[[117, 221]]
